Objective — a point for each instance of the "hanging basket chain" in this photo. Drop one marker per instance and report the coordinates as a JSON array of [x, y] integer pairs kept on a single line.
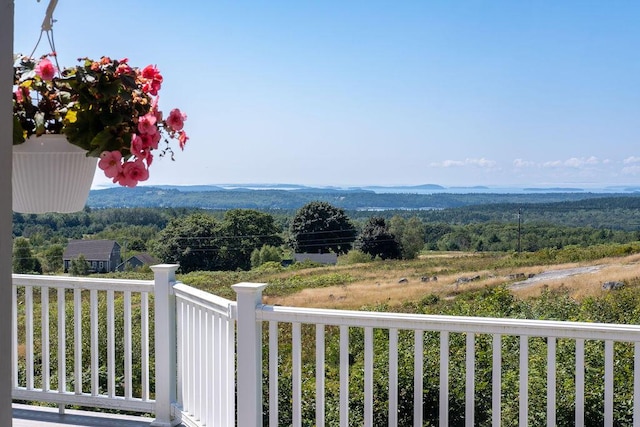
[[47, 28]]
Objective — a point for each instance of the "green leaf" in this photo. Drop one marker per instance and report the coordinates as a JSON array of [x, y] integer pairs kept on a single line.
[[111, 119], [18, 131]]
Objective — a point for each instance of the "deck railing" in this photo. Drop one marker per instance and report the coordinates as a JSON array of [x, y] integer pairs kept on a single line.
[[206, 357], [70, 328], [185, 355], [514, 347]]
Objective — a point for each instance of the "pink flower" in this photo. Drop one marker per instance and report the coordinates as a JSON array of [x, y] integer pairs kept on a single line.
[[132, 173], [141, 147], [182, 138], [147, 124], [123, 68], [153, 80], [176, 119], [111, 163], [45, 69], [19, 96], [151, 72]]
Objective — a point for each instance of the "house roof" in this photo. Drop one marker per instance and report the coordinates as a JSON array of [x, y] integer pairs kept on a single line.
[[144, 258], [91, 249]]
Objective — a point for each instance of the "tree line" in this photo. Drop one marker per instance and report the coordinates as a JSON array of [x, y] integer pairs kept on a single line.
[[241, 239]]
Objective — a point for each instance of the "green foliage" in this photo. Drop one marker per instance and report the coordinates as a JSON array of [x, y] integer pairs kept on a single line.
[[79, 266], [53, 258], [244, 230], [192, 242], [354, 256], [266, 254], [200, 242], [376, 240], [23, 259], [270, 267], [319, 227], [410, 233]]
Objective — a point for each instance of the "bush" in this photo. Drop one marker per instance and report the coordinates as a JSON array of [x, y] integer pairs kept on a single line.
[[354, 256]]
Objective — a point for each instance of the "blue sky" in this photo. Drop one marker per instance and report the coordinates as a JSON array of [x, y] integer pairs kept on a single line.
[[377, 92]]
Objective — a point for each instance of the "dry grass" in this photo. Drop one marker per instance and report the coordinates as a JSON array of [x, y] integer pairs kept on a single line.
[[589, 284], [375, 287]]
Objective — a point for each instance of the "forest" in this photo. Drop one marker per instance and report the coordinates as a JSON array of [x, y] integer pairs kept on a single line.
[[479, 226]]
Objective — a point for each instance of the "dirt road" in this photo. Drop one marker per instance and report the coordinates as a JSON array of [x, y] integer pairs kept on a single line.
[[555, 275]]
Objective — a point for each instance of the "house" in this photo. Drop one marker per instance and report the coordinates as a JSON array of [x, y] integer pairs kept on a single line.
[[136, 261], [102, 255], [330, 259]]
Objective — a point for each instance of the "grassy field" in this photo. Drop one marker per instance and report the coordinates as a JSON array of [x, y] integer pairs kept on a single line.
[[379, 282]]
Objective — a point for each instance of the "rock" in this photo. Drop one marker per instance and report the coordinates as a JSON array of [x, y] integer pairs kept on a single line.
[[612, 286], [467, 279]]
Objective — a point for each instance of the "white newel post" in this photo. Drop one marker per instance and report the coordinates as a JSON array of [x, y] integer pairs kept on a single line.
[[165, 345], [249, 351]]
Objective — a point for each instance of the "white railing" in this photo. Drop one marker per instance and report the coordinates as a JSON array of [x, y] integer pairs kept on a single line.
[[73, 327], [206, 357], [324, 367], [514, 347]]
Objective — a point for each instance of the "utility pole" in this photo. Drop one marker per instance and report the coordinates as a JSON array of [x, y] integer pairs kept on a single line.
[[519, 230]]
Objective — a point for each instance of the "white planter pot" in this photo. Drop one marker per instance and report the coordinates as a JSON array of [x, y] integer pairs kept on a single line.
[[51, 175]]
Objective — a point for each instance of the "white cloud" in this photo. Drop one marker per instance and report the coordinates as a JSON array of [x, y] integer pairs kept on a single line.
[[552, 164], [573, 162], [481, 162], [632, 159], [519, 163], [577, 162], [451, 163]]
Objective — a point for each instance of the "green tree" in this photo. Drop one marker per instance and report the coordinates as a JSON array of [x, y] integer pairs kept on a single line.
[[192, 241], [267, 253], [410, 233], [376, 240], [23, 259], [53, 258], [79, 266], [319, 227], [243, 231]]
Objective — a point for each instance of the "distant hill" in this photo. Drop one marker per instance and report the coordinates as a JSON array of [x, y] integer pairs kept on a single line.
[[217, 197]]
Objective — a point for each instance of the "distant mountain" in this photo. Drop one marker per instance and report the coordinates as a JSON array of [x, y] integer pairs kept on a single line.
[[216, 197], [407, 187], [473, 187], [189, 188], [554, 189]]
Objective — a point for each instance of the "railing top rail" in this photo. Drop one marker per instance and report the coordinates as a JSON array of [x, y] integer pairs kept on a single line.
[[480, 325], [83, 283], [210, 301]]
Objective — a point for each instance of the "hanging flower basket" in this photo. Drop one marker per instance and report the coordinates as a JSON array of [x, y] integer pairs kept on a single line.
[[51, 175], [107, 108]]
